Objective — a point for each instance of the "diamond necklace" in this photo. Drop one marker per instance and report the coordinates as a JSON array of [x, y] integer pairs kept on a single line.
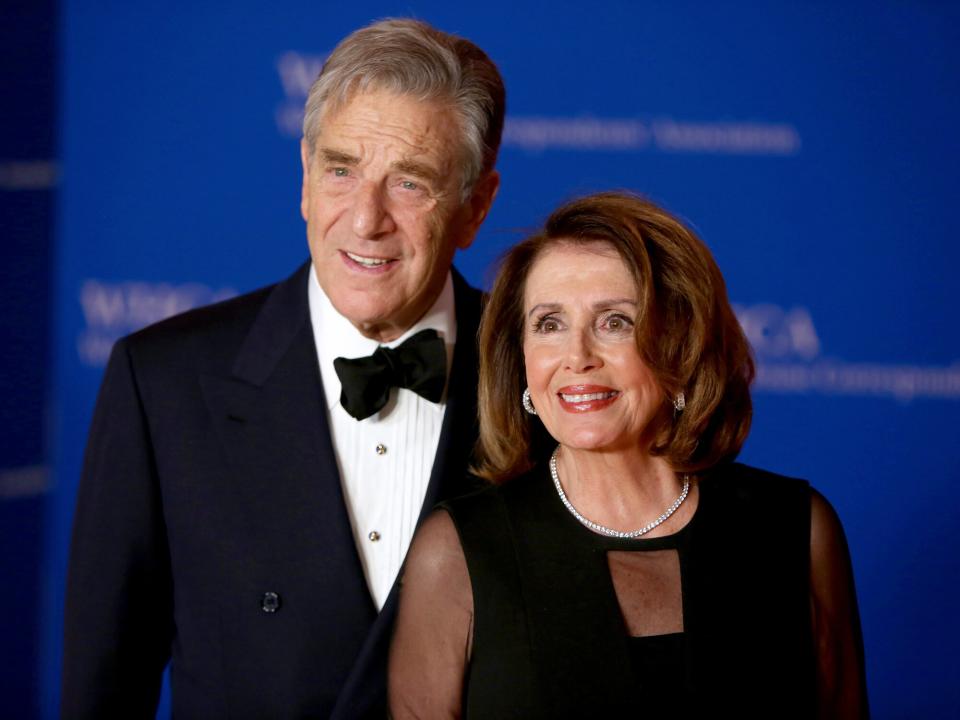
[[602, 529]]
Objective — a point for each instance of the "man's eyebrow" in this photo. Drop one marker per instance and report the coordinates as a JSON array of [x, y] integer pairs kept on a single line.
[[338, 156], [422, 170]]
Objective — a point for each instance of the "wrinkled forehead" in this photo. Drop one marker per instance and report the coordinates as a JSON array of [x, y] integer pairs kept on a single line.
[[441, 109], [566, 262], [429, 127]]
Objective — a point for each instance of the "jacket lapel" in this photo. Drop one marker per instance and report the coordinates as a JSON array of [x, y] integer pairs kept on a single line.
[[269, 414], [458, 434]]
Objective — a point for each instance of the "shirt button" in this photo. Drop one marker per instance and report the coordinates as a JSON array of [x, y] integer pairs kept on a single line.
[[381, 449], [374, 536], [270, 602]]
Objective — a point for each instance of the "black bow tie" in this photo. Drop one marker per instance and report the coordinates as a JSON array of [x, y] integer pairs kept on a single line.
[[419, 363]]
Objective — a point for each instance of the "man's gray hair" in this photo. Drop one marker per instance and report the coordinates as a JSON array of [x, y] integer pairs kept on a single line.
[[409, 57]]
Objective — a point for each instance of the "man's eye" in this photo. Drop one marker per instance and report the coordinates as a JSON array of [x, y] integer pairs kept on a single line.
[[409, 185], [340, 172]]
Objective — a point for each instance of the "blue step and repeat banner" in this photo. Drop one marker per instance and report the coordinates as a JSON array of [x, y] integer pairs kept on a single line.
[[814, 146]]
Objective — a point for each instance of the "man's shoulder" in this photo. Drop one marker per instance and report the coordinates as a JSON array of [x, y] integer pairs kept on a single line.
[[469, 300], [210, 331], [235, 312]]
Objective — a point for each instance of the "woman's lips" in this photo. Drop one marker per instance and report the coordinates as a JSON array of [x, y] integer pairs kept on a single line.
[[586, 398]]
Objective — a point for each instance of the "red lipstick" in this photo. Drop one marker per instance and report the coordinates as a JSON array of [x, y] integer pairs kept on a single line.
[[586, 398]]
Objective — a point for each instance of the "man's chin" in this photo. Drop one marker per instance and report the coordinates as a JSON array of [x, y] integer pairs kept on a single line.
[[377, 321]]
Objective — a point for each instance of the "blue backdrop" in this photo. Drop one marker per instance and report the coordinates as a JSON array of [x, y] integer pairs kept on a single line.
[[813, 146]]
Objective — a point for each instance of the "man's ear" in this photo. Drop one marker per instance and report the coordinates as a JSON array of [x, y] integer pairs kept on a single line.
[[305, 188], [481, 199]]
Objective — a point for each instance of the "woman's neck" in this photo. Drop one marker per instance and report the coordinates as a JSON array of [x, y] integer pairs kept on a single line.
[[620, 489]]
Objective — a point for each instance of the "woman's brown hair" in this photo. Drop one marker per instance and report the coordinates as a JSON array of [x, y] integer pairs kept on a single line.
[[687, 334]]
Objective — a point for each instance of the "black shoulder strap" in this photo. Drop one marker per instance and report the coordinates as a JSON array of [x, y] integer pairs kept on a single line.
[[745, 565], [545, 610]]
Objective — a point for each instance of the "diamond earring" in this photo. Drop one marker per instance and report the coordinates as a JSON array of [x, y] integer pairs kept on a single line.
[[527, 404], [679, 403]]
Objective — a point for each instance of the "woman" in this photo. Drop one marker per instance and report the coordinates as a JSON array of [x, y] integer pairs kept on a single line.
[[625, 563]]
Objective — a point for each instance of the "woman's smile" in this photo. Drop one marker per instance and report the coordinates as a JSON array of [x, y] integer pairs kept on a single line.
[[586, 376], [586, 398]]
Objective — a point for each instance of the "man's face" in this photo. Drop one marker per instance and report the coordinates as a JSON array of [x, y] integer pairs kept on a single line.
[[381, 197]]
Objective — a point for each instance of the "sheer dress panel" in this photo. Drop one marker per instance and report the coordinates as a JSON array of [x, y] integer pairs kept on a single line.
[[750, 606]]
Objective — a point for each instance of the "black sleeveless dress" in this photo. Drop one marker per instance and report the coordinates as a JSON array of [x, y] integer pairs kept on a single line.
[[549, 639]]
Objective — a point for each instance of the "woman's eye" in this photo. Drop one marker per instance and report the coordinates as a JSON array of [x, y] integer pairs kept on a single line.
[[409, 185], [618, 323], [547, 325]]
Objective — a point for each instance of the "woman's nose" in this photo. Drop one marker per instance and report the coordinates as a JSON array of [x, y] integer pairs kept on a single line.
[[581, 352]]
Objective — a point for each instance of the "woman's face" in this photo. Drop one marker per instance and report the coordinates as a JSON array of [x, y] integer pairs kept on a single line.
[[587, 381]]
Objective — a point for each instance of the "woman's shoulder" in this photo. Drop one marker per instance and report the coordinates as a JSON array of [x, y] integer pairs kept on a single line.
[[485, 519], [755, 501], [491, 498], [746, 483]]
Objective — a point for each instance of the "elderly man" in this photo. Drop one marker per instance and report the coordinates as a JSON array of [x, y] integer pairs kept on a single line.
[[256, 469]]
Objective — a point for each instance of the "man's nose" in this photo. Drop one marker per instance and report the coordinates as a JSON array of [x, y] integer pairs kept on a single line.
[[371, 215], [581, 352]]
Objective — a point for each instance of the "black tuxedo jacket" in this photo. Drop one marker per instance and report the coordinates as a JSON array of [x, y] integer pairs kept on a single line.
[[211, 529]]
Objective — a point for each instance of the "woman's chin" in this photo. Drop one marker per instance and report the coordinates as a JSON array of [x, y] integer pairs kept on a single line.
[[596, 441]]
